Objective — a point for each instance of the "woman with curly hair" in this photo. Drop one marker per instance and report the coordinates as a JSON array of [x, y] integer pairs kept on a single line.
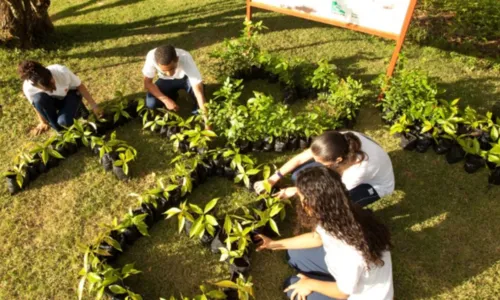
[[365, 168], [56, 94], [346, 256]]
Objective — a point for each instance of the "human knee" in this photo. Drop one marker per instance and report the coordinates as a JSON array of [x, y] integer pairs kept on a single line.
[[40, 99], [151, 101], [64, 121]]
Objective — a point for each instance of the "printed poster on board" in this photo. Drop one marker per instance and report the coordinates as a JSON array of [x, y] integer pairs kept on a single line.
[[382, 15]]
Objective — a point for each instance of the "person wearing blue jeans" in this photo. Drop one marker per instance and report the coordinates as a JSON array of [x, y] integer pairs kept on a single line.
[[346, 253], [176, 70], [365, 168], [56, 94]]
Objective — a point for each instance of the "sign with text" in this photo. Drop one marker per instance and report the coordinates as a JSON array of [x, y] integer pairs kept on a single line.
[[379, 15]]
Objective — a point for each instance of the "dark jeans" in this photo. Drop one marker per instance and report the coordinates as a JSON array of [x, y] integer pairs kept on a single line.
[[363, 194], [310, 262], [59, 113], [170, 88]]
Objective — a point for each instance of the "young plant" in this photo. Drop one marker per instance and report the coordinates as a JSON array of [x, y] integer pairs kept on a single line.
[[205, 221], [182, 212], [46, 150], [244, 287], [126, 154], [324, 76], [18, 172], [244, 173], [119, 110]]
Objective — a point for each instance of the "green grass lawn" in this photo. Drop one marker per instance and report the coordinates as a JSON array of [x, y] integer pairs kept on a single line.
[[445, 223]]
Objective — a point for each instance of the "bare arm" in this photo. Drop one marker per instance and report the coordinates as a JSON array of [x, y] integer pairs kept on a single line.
[[307, 285], [200, 98], [40, 117], [304, 241], [86, 94], [292, 164]]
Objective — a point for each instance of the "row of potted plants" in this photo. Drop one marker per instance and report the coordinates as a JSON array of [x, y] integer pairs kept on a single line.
[[411, 104], [230, 236], [261, 123], [242, 58]]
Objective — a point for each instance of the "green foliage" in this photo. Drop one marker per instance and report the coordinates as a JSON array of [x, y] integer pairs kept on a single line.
[[126, 154], [205, 221], [344, 97], [46, 150], [182, 212], [324, 76], [244, 287]]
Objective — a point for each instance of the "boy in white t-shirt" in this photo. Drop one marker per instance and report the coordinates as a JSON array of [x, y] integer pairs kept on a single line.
[[176, 71], [56, 94], [347, 256]]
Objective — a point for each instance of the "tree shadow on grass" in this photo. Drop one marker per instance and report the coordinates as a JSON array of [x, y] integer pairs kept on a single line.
[[80, 9]]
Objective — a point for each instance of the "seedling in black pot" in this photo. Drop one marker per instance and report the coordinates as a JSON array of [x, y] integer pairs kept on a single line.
[[205, 225], [474, 158]]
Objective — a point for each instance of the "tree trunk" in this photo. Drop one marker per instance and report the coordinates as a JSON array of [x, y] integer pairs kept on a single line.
[[24, 23]]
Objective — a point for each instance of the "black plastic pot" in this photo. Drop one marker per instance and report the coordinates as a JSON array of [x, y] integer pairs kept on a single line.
[[293, 143], [455, 154], [408, 141], [289, 95], [473, 163], [62, 150], [268, 144], [107, 162], [162, 206], [172, 130], [491, 165], [463, 129], [175, 197], [131, 235], [240, 265], [494, 177], [218, 241], [184, 146], [12, 185], [163, 130], [33, 171], [52, 162], [144, 209], [244, 146], [42, 168], [206, 239], [280, 145], [257, 146], [119, 173], [132, 109], [442, 146], [113, 253], [304, 142], [423, 144], [202, 173], [229, 173], [272, 78], [484, 141]]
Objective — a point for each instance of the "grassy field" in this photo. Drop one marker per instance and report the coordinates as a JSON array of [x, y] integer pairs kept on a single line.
[[445, 223]]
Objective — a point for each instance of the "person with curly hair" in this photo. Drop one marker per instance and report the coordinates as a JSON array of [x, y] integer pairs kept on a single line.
[[365, 168], [347, 256], [56, 94]]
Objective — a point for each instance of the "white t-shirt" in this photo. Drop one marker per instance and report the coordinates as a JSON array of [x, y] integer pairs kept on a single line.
[[375, 170], [65, 81], [185, 66], [347, 265]]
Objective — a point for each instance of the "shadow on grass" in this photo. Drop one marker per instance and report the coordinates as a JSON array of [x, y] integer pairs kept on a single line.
[[80, 9]]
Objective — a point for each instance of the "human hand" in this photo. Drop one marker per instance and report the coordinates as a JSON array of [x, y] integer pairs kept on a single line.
[[97, 111], [259, 186], [300, 289], [169, 103], [40, 128], [264, 243], [286, 193]]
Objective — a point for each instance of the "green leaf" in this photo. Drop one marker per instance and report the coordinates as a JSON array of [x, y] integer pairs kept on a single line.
[[143, 228], [211, 220], [172, 212], [182, 221], [196, 209], [45, 157], [117, 289], [210, 205], [215, 294], [227, 284], [125, 168], [93, 277], [274, 226], [275, 210], [55, 154], [112, 242], [494, 133], [197, 227], [227, 224]]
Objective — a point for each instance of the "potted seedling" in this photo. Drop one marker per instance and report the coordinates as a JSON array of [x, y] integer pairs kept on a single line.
[[402, 127], [474, 158], [235, 159], [244, 288], [198, 138], [126, 154], [83, 131], [183, 216], [246, 174], [68, 143], [120, 113], [16, 178], [47, 154], [205, 225]]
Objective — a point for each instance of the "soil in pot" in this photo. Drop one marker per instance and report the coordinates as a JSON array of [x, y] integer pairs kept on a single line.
[[240, 265], [423, 144], [257, 146], [268, 145], [408, 141], [12, 185], [494, 177], [442, 146], [119, 173], [455, 154], [280, 145], [473, 163]]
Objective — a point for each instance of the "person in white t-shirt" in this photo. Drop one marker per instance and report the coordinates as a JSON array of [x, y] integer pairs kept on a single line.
[[365, 167], [346, 256], [176, 71], [56, 94]]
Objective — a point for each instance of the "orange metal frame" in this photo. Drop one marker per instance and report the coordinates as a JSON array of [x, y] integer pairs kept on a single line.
[[398, 38]]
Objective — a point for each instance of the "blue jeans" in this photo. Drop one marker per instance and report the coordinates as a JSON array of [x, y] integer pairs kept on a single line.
[[171, 88], [363, 194], [58, 113], [310, 262]]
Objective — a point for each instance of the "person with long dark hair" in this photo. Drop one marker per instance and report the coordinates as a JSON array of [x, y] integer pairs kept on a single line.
[[346, 256], [365, 168], [56, 94]]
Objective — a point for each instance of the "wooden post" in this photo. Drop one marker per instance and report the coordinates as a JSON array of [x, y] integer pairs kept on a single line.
[[401, 38], [249, 10]]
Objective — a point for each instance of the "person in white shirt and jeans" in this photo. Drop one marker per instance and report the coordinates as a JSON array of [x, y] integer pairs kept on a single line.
[[56, 94], [347, 254], [176, 71], [365, 167]]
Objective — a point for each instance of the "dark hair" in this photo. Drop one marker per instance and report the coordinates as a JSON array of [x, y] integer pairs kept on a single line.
[[166, 54], [332, 144], [328, 203], [36, 73]]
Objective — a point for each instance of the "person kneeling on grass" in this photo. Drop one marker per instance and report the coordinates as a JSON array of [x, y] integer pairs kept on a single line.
[[56, 94], [346, 256], [176, 70], [365, 167]]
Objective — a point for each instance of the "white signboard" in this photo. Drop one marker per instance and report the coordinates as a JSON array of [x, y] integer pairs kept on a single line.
[[382, 15]]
